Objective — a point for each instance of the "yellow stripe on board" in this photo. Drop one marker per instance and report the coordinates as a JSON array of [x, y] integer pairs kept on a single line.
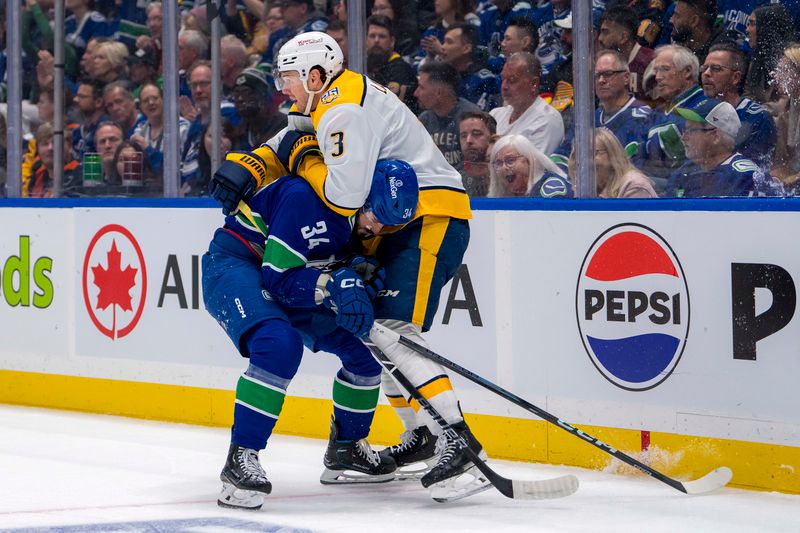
[[430, 240], [755, 465]]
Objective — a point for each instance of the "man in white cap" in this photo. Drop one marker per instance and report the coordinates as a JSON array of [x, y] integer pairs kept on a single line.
[[713, 167]]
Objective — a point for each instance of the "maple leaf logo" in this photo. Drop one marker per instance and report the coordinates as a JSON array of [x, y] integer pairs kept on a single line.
[[114, 283]]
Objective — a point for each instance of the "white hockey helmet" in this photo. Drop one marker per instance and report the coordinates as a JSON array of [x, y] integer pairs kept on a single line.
[[306, 51]]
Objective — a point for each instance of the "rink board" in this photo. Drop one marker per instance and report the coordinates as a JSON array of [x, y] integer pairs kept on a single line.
[[668, 330]]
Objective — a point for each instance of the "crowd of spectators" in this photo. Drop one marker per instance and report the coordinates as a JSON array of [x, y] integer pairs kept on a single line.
[[693, 97]]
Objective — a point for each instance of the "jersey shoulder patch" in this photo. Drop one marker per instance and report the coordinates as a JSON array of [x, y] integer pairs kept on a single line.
[[744, 166]]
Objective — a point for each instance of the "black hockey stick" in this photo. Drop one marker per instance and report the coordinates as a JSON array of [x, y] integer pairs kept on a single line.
[[713, 480], [542, 489]]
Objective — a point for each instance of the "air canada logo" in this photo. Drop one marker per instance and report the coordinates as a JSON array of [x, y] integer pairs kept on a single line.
[[632, 306], [114, 281]]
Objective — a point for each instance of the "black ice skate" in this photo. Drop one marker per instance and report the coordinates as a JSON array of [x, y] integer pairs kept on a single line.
[[414, 455], [455, 476], [353, 461], [244, 482]]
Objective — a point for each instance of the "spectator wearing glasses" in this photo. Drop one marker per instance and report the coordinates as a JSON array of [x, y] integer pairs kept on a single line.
[[525, 113], [149, 135], [618, 31], [676, 69], [384, 63], [254, 101], [192, 47], [517, 168], [722, 76], [616, 175], [713, 167], [617, 110]]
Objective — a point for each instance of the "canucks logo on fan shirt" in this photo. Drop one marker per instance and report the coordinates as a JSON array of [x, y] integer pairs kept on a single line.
[[632, 307]]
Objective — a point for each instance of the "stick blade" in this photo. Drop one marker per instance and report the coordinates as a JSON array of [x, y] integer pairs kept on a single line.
[[545, 489], [710, 482]]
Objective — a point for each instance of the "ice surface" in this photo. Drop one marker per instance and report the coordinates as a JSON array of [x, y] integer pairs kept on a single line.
[[72, 472]]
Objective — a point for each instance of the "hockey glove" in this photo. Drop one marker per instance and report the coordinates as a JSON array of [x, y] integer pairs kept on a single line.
[[231, 184], [295, 146], [345, 294], [373, 274]]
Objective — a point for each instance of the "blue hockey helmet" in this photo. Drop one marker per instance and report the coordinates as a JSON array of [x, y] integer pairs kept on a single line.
[[394, 193]]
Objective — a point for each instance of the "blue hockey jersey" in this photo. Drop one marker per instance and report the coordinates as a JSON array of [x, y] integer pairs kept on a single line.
[[302, 233], [758, 135], [736, 176]]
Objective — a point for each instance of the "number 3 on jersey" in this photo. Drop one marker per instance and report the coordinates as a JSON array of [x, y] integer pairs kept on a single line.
[[308, 234], [338, 143]]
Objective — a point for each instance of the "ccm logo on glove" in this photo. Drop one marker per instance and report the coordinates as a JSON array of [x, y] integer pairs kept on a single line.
[[349, 283]]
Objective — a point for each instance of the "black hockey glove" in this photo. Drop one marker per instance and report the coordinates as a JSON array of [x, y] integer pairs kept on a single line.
[[231, 184]]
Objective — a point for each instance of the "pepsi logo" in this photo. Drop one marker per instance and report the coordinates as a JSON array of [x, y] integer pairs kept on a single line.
[[632, 307]]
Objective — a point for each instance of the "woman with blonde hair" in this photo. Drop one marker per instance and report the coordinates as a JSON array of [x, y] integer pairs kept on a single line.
[[517, 168], [110, 61], [616, 175], [786, 163]]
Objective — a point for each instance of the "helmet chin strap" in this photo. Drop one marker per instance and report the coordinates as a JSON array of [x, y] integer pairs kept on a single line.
[[311, 94]]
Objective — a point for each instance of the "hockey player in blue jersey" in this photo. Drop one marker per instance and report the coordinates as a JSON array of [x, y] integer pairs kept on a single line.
[[267, 280]]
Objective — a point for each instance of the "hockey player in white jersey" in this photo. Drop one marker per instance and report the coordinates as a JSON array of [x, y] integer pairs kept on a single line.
[[341, 124]]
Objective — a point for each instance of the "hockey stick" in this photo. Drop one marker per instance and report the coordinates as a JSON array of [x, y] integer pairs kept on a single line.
[[713, 480], [517, 489]]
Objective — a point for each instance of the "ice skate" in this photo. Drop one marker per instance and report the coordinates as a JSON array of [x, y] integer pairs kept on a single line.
[[353, 461], [415, 454], [455, 476], [244, 482]]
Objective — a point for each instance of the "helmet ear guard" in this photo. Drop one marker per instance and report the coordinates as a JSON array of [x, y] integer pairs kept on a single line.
[[304, 52], [394, 193]]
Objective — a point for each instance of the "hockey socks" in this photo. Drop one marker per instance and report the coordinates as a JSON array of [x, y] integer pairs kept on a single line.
[[259, 400], [354, 401]]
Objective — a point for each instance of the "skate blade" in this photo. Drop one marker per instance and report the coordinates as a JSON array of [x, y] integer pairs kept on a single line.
[[352, 477], [413, 471], [233, 498], [458, 487]]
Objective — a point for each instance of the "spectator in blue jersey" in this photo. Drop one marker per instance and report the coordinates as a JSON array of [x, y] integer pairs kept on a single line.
[[769, 30], [478, 84], [617, 110], [448, 13], [521, 35], [299, 16], [437, 95], [676, 70], [713, 167], [693, 26], [475, 130], [495, 19], [525, 113], [787, 152], [616, 175], [384, 63], [517, 168], [722, 76], [82, 23], [148, 137], [88, 102], [618, 31], [254, 100], [120, 105], [733, 15]]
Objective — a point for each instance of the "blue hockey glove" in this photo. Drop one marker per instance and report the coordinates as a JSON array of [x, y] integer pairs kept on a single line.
[[371, 271], [346, 295], [231, 184], [295, 146]]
